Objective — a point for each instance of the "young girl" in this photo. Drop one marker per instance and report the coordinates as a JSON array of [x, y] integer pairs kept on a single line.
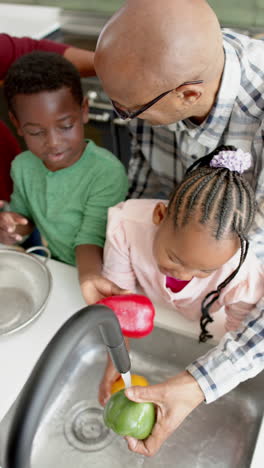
[[191, 253]]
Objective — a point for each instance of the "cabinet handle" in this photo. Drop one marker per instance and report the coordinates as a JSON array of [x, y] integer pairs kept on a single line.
[[104, 117], [120, 122]]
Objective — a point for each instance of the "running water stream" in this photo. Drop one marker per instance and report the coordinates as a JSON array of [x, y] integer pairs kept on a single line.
[[127, 379]]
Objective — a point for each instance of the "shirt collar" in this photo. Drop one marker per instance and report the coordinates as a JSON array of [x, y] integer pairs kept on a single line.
[[209, 131]]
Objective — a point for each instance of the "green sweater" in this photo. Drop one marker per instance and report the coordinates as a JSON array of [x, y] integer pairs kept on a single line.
[[69, 206]]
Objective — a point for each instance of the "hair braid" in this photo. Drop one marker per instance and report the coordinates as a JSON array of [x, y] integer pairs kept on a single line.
[[195, 196], [245, 187], [226, 205], [222, 197], [178, 196], [211, 197], [206, 317]]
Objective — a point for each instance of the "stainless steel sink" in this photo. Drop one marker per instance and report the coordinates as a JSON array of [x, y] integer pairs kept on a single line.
[[72, 433]]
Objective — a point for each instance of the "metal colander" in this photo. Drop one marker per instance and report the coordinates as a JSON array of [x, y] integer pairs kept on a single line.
[[25, 285]]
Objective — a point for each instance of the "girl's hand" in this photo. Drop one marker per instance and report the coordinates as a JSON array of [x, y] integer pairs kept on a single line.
[[9, 223], [174, 399], [96, 287], [109, 377]]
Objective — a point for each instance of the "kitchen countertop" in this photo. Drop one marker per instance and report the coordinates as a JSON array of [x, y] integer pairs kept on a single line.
[[19, 351], [29, 20]]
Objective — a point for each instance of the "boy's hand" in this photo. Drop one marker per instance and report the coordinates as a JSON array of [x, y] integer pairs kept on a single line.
[[9, 222], [109, 377], [96, 287]]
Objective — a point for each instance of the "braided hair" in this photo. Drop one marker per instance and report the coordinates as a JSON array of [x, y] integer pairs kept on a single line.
[[224, 199]]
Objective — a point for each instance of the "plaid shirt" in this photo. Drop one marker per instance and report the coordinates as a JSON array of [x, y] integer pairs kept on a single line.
[[238, 357], [161, 155]]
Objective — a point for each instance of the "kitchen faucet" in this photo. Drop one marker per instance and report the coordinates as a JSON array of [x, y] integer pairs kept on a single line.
[[36, 391]]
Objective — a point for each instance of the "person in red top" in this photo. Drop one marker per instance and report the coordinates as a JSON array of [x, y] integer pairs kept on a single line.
[[9, 148], [12, 48]]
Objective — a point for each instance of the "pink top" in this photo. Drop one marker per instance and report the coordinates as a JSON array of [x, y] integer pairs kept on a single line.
[[175, 284], [129, 262]]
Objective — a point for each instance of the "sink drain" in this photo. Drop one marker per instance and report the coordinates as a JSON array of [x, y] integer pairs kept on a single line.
[[85, 429]]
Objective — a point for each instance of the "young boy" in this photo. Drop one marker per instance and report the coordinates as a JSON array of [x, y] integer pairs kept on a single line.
[[63, 184]]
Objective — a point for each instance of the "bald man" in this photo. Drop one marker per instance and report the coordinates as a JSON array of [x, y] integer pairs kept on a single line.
[[192, 87]]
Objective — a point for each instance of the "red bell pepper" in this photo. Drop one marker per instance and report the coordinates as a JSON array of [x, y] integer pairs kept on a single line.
[[134, 312]]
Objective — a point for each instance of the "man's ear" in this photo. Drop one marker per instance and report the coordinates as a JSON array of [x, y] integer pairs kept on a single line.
[[85, 110], [189, 94], [15, 122], [159, 213]]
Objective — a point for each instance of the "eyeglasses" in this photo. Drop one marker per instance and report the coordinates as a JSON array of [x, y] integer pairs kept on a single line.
[[123, 114]]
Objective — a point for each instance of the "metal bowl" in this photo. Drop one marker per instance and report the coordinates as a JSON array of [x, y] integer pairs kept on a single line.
[[25, 286]]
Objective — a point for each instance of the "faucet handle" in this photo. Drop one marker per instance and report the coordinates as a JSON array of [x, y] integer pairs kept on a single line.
[[135, 313]]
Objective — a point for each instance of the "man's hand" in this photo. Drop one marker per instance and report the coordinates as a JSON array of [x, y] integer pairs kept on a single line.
[[9, 225], [96, 287], [174, 400]]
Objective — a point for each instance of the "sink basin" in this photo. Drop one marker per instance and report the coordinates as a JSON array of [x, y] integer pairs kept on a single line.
[[72, 432]]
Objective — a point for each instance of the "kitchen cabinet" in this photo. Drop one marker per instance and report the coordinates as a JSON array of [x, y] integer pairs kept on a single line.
[[240, 13], [236, 13], [106, 7], [27, 20]]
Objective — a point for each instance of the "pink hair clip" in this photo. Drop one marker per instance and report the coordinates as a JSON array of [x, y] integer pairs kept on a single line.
[[237, 160]]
